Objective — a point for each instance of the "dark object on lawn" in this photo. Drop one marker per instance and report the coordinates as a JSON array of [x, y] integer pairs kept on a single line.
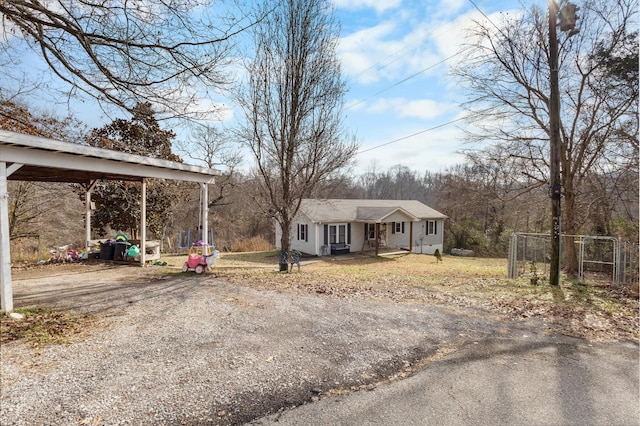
[[340, 248], [283, 259], [461, 252], [437, 255]]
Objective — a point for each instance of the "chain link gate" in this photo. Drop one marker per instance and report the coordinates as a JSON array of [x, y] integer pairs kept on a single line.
[[596, 255]]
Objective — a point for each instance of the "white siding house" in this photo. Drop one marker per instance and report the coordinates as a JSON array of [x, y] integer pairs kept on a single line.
[[325, 227]]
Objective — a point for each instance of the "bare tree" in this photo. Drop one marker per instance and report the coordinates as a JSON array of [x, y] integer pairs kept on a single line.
[[506, 74], [31, 202], [214, 148], [124, 53], [293, 106]]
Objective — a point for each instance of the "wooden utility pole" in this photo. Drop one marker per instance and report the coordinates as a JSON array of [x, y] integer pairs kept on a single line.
[[568, 19], [555, 188]]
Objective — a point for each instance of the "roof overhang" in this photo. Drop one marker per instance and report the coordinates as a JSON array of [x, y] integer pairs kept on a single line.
[[33, 158]]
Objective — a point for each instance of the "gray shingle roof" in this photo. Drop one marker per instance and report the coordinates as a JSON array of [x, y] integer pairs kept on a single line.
[[336, 210]]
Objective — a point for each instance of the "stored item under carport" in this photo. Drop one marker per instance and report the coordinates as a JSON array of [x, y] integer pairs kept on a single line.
[[121, 250], [107, 249]]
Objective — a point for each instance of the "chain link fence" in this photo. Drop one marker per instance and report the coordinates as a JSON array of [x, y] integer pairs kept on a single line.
[[598, 257]]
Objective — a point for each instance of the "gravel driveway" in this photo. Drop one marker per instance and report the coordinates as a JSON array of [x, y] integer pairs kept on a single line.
[[186, 349]]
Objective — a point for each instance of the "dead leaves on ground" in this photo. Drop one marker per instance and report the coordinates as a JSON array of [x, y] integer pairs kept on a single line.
[[41, 326]]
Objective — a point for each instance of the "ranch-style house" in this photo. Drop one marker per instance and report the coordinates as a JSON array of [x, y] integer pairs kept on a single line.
[[335, 226]]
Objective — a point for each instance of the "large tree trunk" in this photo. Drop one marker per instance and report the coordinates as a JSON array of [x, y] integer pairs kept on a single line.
[[285, 244], [569, 227], [285, 240]]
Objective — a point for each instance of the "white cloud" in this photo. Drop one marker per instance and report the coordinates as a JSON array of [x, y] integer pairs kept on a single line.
[[434, 150], [451, 7], [378, 5], [398, 47], [424, 109], [361, 50]]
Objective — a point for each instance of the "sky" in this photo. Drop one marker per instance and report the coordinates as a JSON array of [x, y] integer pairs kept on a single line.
[[402, 105], [396, 56]]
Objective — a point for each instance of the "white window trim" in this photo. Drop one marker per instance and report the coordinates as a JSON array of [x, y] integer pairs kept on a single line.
[[303, 232], [337, 234], [371, 231], [432, 227]]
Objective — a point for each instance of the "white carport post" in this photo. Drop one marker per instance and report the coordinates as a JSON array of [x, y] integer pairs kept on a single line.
[[87, 197], [143, 223], [6, 292], [204, 189]]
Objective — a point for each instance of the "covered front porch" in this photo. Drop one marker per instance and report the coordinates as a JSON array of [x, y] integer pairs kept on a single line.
[[379, 237]]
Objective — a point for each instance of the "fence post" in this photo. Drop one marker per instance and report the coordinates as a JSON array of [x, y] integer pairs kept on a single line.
[[617, 244], [513, 257]]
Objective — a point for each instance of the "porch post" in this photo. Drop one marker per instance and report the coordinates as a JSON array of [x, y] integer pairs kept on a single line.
[[377, 238], [411, 237]]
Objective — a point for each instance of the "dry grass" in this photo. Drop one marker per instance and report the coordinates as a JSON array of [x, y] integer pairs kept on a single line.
[[251, 245], [594, 310]]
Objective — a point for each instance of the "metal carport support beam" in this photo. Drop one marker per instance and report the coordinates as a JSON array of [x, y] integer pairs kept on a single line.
[[204, 225], [6, 291], [143, 223]]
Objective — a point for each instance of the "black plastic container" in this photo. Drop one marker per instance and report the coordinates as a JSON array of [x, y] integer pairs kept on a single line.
[[106, 250]]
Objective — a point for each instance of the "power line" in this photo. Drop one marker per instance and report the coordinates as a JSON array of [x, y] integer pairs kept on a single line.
[[413, 76], [412, 135], [507, 38], [384, 61], [403, 80], [486, 17], [425, 69]]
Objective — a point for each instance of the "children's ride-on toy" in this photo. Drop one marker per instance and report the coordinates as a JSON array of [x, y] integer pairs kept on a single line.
[[201, 258]]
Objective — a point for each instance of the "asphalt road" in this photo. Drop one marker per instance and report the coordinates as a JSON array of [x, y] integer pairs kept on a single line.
[[554, 381]]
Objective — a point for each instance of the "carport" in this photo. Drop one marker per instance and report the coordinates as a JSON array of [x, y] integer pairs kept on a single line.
[[31, 158]]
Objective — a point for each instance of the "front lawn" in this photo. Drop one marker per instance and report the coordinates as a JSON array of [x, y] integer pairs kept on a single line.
[[594, 310]]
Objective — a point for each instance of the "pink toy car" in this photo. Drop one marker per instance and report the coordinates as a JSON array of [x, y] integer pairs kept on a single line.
[[201, 262]]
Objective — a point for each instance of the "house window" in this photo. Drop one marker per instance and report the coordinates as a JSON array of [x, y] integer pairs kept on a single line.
[[432, 227], [371, 231], [303, 232], [397, 227], [337, 234]]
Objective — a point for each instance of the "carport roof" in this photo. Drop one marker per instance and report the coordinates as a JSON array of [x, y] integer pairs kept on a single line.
[[40, 159]]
